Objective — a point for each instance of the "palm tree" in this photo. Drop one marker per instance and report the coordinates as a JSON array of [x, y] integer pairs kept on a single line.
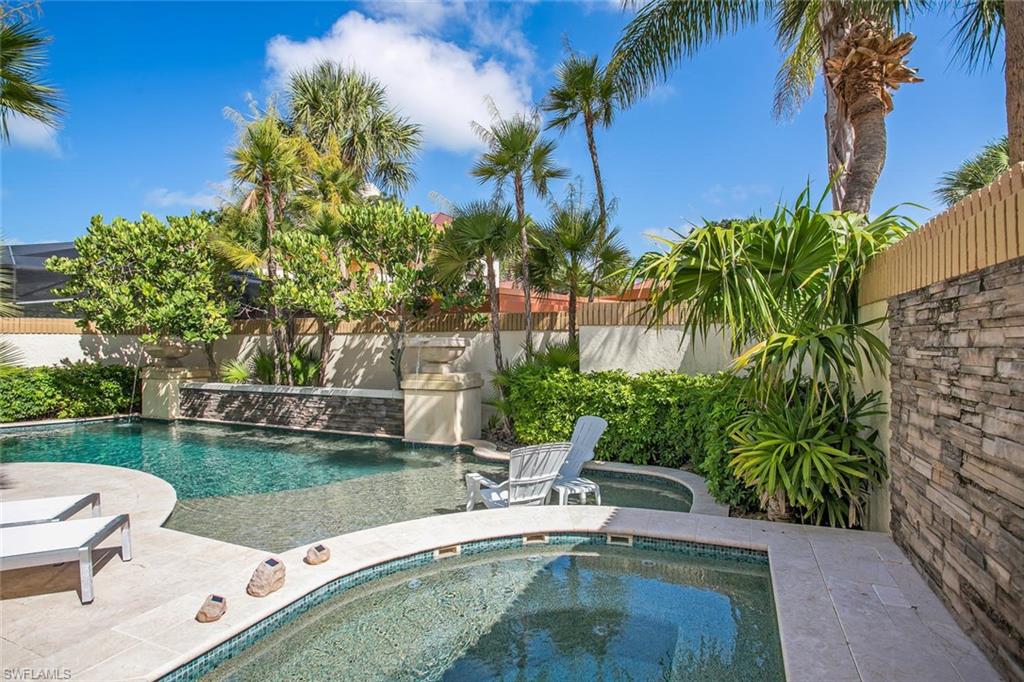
[[518, 154], [22, 59], [978, 30], [589, 92], [576, 254], [975, 173], [664, 32], [266, 167], [480, 231], [375, 143], [867, 65]]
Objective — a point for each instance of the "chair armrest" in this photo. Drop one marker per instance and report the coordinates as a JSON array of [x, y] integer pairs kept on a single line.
[[481, 481]]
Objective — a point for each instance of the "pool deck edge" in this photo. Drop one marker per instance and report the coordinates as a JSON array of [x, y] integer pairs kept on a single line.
[[850, 605]]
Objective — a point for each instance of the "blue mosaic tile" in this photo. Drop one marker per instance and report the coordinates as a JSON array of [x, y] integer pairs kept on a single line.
[[205, 663]]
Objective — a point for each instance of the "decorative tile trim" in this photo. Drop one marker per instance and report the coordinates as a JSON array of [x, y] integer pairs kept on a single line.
[[205, 663]]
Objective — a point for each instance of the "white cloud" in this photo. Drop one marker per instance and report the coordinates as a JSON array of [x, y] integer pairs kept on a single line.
[[434, 82], [31, 134], [165, 198]]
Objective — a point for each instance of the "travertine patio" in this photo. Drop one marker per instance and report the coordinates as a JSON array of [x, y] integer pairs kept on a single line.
[[850, 606]]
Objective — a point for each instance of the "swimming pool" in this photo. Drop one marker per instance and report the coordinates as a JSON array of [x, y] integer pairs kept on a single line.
[[660, 610], [275, 489]]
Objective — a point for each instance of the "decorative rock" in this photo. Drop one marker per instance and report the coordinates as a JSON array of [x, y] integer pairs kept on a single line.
[[317, 554], [268, 577], [212, 609]]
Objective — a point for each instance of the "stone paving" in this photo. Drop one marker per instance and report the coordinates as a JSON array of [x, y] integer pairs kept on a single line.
[[850, 606]]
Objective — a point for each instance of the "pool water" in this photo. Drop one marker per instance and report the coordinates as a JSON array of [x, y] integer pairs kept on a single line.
[[275, 489], [587, 612]]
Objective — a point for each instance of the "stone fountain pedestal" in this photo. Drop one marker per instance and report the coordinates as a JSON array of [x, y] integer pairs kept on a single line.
[[441, 406], [161, 383]]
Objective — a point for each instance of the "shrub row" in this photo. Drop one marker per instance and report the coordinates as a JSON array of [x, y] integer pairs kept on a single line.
[[659, 418], [71, 390]]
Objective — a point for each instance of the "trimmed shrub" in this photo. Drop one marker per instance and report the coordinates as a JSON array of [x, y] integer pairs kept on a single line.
[[71, 390], [660, 418]]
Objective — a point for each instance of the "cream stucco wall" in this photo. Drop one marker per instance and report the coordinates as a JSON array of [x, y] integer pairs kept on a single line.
[[878, 507], [637, 349]]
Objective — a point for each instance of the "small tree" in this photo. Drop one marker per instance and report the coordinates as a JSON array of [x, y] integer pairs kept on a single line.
[[393, 280], [311, 282], [148, 275]]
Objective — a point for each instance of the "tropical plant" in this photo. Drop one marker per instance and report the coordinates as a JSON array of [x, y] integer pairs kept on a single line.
[[22, 60], [980, 28], [867, 65], [266, 167], [586, 91], [517, 154], [784, 291], [665, 32], [479, 232], [334, 105], [574, 253], [821, 459], [160, 278], [975, 173], [258, 367]]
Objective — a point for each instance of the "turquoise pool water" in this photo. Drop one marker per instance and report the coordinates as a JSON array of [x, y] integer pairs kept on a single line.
[[275, 489], [588, 612]]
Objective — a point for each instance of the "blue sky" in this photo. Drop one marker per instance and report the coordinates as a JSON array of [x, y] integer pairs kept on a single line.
[[146, 85]]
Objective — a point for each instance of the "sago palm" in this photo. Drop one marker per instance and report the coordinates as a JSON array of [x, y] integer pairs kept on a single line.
[[22, 60], [266, 167], [587, 92], [974, 173], [517, 154], [480, 231], [375, 143], [665, 32]]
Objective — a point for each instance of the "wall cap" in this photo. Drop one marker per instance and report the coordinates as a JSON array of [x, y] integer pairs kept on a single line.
[[294, 390]]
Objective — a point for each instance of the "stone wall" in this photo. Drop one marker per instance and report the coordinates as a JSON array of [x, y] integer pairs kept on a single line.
[[957, 449], [378, 413]]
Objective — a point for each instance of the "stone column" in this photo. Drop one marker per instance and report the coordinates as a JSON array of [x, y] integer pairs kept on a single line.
[[161, 390], [442, 408]]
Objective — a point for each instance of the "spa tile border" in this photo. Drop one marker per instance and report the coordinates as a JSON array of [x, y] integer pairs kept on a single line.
[[196, 668]]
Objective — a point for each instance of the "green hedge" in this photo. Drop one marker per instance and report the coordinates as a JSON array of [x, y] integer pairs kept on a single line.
[[657, 418], [71, 390]]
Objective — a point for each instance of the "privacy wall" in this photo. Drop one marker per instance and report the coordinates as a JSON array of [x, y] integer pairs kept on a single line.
[[955, 293]]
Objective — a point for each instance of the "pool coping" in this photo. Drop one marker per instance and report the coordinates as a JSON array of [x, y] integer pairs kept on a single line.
[[703, 502], [66, 422], [850, 606]]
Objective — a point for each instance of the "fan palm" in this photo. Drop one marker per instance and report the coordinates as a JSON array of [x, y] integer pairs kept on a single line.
[[574, 253], [22, 59], [584, 90], [975, 173], [479, 231], [329, 101], [664, 32], [266, 166], [518, 154], [981, 25]]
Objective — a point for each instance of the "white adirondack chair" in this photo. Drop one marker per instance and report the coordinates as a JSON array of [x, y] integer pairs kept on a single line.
[[585, 435], [531, 472]]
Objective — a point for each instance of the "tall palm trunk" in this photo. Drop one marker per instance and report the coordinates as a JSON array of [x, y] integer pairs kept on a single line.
[[524, 244], [588, 122], [492, 294], [834, 25], [1013, 22], [867, 115], [275, 330], [573, 331]]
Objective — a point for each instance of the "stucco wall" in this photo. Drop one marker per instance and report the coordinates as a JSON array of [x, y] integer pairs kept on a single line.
[[637, 349], [879, 504]]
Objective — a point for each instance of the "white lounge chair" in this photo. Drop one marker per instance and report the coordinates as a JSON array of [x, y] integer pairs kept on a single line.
[[46, 509], [585, 435], [531, 471], [44, 544]]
